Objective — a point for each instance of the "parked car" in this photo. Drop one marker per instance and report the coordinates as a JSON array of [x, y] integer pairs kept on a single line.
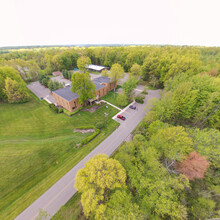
[[132, 107], [121, 117]]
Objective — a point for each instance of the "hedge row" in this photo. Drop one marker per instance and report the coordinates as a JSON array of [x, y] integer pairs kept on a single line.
[[55, 109], [89, 138], [72, 113]]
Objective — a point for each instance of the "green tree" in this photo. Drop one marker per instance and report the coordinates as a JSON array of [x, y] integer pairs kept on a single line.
[[83, 86], [82, 62], [116, 73], [129, 86], [136, 70], [122, 99], [104, 72], [120, 206], [15, 93], [99, 176]]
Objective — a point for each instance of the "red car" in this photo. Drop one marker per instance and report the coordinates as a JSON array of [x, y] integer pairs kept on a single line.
[[121, 117]]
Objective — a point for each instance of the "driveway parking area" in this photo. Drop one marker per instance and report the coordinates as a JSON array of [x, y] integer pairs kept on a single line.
[[41, 91]]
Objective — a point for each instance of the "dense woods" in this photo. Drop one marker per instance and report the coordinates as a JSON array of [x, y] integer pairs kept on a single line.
[[173, 163]]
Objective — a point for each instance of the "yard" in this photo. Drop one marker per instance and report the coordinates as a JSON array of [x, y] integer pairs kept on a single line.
[[36, 148]]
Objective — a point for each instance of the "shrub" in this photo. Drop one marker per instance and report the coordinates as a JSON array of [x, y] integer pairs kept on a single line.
[[99, 125], [54, 108], [139, 99], [72, 113], [60, 110], [88, 139], [145, 92]]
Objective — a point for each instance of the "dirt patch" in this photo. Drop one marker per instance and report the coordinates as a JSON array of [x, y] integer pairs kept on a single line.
[[84, 131]]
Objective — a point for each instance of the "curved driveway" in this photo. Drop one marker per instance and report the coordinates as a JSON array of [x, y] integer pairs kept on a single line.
[[63, 190]]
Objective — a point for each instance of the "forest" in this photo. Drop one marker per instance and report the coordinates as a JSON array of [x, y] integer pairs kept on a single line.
[[171, 169]]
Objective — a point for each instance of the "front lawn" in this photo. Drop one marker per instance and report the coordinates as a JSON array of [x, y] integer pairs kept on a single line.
[[111, 97], [36, 148]]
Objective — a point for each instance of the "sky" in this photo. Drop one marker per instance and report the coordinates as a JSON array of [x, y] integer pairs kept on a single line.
[[70, 22]]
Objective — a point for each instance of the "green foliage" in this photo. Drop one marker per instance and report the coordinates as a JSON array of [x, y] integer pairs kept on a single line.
[[54, 85], [139, 99], [54, 108], [99, 176], [116, 73], [67, 74], [173, 143], [82, 62], [44, 79], [136, 70], [89, 138], [99, 125], [104, 72], [202, 208], [129, 86], [122, 99], [13, 74], [72, 113], [83, 86], [193, 101], [14, 92], [120, 206]]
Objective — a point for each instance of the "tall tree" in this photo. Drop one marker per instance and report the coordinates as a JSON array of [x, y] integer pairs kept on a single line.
[[136, 70], [83, 86], [15, 93], [82, 62], [100, 175], [193, 167], [116, 73]]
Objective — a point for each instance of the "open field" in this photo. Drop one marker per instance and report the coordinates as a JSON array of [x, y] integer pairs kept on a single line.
[[36, 148]]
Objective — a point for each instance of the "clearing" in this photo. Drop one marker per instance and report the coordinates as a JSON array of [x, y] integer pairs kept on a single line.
[[36, 148]]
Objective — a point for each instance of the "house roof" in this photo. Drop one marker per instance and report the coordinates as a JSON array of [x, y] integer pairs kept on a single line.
[[68, 95], [102, 79], [95, 67]]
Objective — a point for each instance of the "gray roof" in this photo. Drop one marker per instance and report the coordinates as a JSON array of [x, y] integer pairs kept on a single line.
[[66, 93], [102, 79]]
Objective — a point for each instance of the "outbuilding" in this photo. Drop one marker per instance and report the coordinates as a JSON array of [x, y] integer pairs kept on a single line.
[[96, 68]]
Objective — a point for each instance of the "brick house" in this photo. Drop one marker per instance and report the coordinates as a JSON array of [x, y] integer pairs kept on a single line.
[[69, 100]]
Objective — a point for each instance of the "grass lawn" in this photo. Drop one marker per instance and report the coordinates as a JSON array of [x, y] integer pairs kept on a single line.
[[111, 97], [36, 148]]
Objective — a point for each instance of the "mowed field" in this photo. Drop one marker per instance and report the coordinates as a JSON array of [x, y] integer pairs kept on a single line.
[[36, 150]]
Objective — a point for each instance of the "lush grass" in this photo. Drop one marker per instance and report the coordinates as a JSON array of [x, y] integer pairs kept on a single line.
[[111, 97], [36, 148]]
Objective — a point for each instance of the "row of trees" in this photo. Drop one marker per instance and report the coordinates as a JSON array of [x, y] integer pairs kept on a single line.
[[158, 64]]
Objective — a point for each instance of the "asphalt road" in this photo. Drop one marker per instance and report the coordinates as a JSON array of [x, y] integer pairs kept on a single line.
[[64, 189]]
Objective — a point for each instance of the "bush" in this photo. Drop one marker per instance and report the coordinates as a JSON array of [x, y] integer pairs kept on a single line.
[[88, 139], [54, 85], [60, 110], [72, 113], [145, 92], [139, 99], [54, 108], [99, 125]]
